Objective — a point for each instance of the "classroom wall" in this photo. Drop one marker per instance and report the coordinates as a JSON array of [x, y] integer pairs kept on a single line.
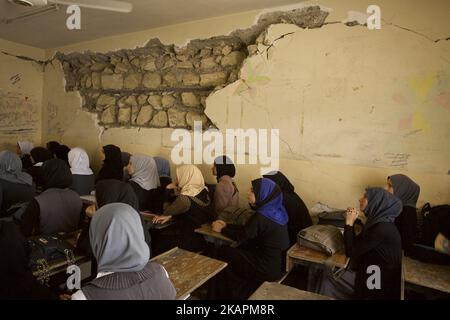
[[21, 89], [353, 105]]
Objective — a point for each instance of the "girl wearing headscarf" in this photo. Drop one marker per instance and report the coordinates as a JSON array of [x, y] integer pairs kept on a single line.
[[15, 186], [190, 210], [23, 150], [52, 146], [226, 193], [112, 164], [83, 179], [299, 217], [378, 244], [163, 166], [263, 240], [110, 191], [145, 181], [57, 209], [62, 153], [38, 155], [408, 192], [16, 279], [124, 270]]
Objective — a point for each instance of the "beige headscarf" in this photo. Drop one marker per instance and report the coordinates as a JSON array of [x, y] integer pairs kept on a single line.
[[190, 180]]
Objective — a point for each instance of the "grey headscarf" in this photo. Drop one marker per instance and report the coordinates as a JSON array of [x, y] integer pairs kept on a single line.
[[163, 166], [117, 239], [382, 207], [11, 169], [145, 172], [404, 188]]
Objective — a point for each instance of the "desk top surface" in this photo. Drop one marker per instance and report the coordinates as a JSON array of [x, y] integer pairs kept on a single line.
[[206, 230], [276, 291], [188, 270], [302, 253], [426, 274]]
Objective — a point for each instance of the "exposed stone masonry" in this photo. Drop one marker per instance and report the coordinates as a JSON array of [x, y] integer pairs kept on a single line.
[[163, 85]]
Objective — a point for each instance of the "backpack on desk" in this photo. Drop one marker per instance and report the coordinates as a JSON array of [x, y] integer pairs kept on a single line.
[[324, 238], [48, 249]]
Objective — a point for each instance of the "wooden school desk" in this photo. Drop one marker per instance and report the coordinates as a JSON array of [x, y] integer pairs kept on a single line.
[[426, 275], [188, 270], [215, 237], [276, 291], [302, 255]]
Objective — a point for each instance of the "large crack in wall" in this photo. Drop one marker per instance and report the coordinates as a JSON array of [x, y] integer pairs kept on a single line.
[[166, 86]]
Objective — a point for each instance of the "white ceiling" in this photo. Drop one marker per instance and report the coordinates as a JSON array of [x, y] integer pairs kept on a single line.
[[49, 30]]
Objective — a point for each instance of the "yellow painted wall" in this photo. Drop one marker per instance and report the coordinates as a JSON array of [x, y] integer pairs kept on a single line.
[[404, 74], [21, 89]]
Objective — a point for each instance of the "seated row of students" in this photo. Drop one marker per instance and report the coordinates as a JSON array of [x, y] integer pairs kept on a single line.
[[279, 215]]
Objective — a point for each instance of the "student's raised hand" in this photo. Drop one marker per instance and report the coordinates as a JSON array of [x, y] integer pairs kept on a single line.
[[161, 219], [351, 216], [90, 211], [218, 225]]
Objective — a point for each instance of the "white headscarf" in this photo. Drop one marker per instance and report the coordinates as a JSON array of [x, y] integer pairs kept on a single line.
[[145, 172], [190, 180], [79, 162], [25, 147]]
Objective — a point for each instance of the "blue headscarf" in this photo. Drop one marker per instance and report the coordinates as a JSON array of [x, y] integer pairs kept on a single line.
[[382, 207], [163, 166], [269, 200]]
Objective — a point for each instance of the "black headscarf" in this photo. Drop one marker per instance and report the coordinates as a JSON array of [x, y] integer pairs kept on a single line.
[[404, 188], [16, 279], [112, 165], [125, 158], [40, 154], [224, 167], [110, 191], [62, 153], [52, 146], [281, 180], [382, 207], [56, 174]]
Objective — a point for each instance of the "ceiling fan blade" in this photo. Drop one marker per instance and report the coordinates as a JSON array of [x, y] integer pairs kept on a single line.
[[110, 5]]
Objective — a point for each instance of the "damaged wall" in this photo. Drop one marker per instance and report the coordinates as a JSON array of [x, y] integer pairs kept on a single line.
[[164, 85], [21, 88], [326, 85]]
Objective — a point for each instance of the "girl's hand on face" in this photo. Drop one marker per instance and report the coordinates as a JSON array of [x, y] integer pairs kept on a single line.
[[351, 216]]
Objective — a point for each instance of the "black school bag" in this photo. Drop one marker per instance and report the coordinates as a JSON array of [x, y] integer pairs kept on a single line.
[[435, 220], [46, 250]]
